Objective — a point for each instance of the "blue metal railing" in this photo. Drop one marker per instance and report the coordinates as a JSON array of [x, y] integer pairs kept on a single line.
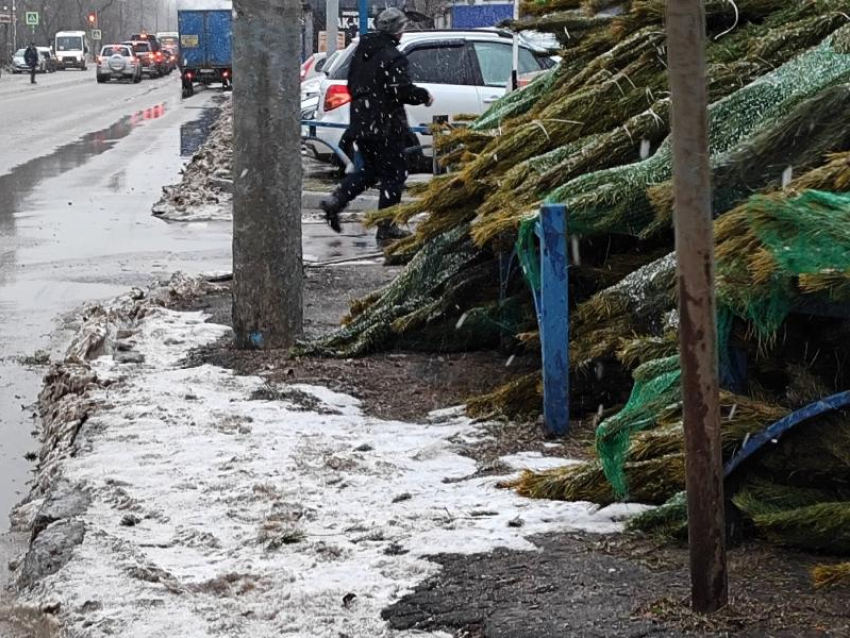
[[347, 162]]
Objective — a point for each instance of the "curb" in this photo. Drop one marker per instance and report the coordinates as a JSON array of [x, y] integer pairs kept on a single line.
[[310, 200]]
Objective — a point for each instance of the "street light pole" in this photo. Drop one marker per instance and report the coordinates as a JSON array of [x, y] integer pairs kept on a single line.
[[332, 22], [697, 324]]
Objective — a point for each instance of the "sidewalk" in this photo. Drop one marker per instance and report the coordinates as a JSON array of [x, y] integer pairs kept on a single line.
[[187, 489], [189, 501]]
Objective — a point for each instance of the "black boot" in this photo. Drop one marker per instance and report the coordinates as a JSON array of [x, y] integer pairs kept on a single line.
[[332, 208], [388, 232]]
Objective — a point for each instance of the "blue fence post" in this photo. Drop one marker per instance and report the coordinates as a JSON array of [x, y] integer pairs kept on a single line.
[[554, 318], [363, 10]]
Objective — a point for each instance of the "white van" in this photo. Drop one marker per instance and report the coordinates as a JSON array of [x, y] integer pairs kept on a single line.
[[71, 49]]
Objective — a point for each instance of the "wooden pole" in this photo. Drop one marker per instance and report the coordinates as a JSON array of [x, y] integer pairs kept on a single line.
[[697, 325], [267, 264]]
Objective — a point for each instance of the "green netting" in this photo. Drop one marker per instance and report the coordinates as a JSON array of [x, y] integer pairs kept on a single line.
[[774, 252], [814, 242], [657, 387], [528, 252], [616, 199], [516, 102], [804, 236]]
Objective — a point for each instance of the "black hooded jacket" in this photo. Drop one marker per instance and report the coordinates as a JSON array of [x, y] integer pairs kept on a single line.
[[31, 56], [380, 87]]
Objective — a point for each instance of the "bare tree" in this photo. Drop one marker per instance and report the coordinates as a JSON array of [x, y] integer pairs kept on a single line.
[[267, 265]]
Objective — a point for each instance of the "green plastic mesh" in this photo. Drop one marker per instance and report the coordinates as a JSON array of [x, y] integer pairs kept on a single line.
[[804, 235], [759, 282], [657, 386], [616, 200], [516, 102], [528, 252]]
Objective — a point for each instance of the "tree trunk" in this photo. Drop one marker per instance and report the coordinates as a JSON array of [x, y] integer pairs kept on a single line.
[[267, 265]]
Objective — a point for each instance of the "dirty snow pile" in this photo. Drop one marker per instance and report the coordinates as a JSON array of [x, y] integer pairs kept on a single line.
[[203, 193], [214, 504]]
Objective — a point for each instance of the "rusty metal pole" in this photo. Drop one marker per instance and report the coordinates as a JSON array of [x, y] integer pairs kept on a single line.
[[697, 326]]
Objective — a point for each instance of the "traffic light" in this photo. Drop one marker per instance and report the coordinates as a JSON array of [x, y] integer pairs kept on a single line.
[[92, 19]]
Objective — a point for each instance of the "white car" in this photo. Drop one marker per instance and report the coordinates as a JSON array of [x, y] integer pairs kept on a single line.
[[310, 88], [465, 72], [117, 62], [46, 61], [313, 65]]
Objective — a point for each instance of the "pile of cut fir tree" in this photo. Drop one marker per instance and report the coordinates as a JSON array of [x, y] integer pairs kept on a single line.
[[593, 134]]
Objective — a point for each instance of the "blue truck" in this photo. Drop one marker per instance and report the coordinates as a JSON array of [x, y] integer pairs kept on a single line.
[[206, 48]]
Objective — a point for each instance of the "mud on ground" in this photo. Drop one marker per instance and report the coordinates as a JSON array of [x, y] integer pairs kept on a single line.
[[395, 385], [588, 586]]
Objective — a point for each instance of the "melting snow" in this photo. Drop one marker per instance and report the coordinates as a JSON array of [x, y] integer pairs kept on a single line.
[[255, 518]]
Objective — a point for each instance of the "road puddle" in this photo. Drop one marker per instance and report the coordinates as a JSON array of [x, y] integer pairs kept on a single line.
[[22, 180]]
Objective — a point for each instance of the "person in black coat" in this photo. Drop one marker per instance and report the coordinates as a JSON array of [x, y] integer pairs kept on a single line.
[[380, 87], [31, 58]]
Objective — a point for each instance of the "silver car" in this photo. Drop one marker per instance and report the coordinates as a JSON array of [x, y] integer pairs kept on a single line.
[[118, 61]]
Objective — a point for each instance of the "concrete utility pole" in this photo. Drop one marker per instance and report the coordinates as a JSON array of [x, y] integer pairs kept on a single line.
[[267, 265], [332, 20], [697, 324], [307, 13]]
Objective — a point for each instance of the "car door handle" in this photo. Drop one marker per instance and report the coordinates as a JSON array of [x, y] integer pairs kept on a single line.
[[491, 99]]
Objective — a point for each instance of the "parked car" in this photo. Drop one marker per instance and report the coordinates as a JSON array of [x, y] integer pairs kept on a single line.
[[142, 51], [117, 62], [313, 65], [46, 61], [465, 72], [19, 63], [310, 88]]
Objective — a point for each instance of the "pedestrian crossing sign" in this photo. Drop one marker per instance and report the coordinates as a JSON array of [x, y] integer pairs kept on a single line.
[[95, 34], [32, 18]]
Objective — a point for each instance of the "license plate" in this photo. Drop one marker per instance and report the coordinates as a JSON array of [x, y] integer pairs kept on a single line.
[[207, 71]]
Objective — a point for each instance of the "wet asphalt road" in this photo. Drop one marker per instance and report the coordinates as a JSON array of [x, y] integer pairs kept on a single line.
[[81, 164]]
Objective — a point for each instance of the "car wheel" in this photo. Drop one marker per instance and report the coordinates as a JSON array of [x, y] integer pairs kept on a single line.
[[83, 68], [137, 78], [101, 79], [188, 90]]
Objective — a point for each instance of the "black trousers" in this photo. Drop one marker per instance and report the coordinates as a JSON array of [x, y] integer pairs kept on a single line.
[[32, 74], [384, 164]]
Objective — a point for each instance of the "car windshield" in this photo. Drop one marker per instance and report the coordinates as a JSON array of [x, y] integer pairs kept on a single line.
[[169, 42], [69, 43], [114, 51], [20, 53], [142, 47]]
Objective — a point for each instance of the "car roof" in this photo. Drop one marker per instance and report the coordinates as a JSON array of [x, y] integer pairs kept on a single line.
[[489, 33]]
